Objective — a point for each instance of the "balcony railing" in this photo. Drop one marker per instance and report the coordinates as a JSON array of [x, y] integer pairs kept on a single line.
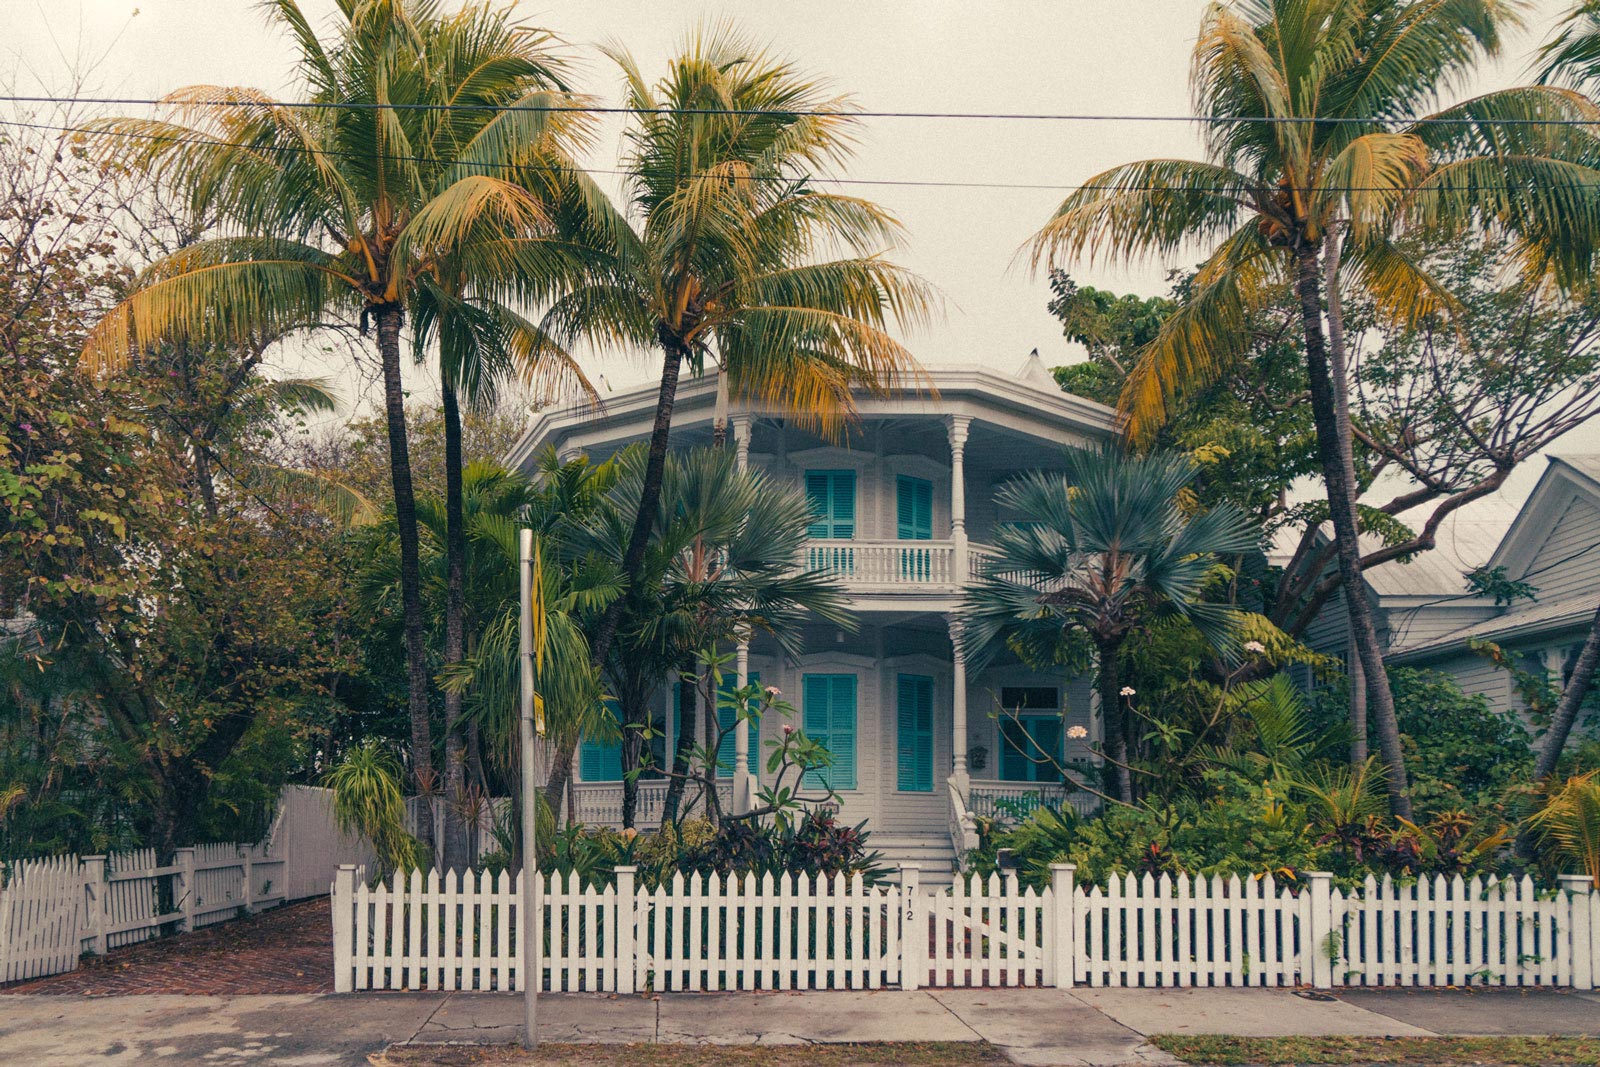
[[890, 565]]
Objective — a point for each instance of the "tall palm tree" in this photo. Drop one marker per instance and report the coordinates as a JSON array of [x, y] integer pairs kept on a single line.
[[350, 208], [1108, 549], [719, 568], [1323, 145], [718, 257]]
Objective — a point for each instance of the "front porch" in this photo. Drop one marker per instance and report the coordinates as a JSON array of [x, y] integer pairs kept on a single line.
[[891, 702]]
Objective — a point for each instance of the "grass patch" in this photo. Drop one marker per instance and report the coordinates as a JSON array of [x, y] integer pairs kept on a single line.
[[1410, 1051], [916, 1053]]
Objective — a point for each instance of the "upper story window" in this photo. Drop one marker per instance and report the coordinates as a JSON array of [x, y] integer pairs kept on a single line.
[[913, 508], [833, 503]]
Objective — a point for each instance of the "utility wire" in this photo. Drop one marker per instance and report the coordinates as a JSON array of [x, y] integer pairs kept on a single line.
[[974, 116], [915, 183]]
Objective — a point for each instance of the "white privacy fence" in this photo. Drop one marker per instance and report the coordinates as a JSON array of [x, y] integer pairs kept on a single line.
[[53, 910], [702, 933]]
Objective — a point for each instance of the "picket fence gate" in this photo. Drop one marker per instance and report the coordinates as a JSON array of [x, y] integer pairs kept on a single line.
[[708, 933], [53, 910]]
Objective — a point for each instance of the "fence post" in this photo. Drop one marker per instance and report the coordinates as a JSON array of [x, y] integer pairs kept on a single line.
[[1318, 941], [913, 933], [248, 858], [94, 900], [1580, 897], [344, 902], [1064, 937], [183, 888], [627, 916]]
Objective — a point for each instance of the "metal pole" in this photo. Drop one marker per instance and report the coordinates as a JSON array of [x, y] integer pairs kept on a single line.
[[528, 932]]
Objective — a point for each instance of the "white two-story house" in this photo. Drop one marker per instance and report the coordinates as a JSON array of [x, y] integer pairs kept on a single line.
[[904, 503]]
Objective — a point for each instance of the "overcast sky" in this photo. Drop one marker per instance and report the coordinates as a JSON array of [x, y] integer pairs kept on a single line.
[[1115, 57]]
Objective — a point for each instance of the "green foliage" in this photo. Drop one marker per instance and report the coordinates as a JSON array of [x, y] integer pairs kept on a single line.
[[814, 845], [1569, 825], [368, 801]]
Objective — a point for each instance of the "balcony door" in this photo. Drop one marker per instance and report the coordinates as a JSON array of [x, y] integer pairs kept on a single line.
[[913, 499], [832, 494]]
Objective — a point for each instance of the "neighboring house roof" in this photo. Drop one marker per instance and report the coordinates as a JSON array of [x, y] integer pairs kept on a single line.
[[1523, 622], [1027, 401], [1465, 541], [1573, 590]]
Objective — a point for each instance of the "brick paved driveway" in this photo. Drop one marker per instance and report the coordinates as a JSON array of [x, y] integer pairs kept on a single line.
[[286, 950]]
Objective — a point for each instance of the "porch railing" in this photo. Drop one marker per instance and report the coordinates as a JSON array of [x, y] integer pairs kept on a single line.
[[600, 803], [1015, 801]]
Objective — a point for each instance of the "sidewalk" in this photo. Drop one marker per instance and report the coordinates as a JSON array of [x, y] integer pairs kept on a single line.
[[1042, 1027]]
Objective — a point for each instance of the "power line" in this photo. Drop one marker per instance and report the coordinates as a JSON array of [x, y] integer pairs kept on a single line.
[[927, 183], [972, 116]]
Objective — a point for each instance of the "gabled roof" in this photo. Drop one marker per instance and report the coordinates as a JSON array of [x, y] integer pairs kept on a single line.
[[1526, 621], [1563, 477]]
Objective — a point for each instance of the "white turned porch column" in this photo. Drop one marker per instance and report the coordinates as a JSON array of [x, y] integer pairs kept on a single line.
[[744, 786], [957, 425], [958, 707]]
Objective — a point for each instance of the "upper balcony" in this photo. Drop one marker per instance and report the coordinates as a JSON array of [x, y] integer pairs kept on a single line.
[[900, 566]]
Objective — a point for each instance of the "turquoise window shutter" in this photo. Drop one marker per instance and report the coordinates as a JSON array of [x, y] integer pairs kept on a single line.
[[727, 751], [1024, 743], [914, 509], [828, 716], [599, 761], [833, 504], [914, 730]]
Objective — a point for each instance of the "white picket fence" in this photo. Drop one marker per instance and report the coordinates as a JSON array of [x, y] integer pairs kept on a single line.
[[699, 933], [55, 909]]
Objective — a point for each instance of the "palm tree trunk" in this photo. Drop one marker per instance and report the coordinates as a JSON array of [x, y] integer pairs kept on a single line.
[[680, 751], [388, 318], [1572, 697], [456, 848], [635, 716], [649, 499], [1341, 411], [1113, 723], [555, 784], [1340, 373], [1337, 471]]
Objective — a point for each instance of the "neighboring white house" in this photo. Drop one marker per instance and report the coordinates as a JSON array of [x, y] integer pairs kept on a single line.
[[1427, 617], [904, 504]]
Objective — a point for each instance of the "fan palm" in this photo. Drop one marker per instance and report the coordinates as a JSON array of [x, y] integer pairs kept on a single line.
[[496, 505], [1321, 146], [1107, 550], [720, 567], [718, 257], [355, 208]]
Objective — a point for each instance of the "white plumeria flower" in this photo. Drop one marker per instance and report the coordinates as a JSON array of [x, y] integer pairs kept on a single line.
[[1254, 646], [774, 691], [1127, 691], [1077, 732]]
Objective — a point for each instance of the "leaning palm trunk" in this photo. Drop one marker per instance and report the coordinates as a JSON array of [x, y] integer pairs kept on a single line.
[[1337, 472], [649, 499], [456, 848], [1357, 677], [388, 318], [687, 717], [1577, 688]]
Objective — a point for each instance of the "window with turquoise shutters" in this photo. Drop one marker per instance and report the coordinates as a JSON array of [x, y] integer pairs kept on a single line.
[[725, 714], [914, 508], [914, 522], [833, 504], [600, 761], [914, 731], [828, 716]]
